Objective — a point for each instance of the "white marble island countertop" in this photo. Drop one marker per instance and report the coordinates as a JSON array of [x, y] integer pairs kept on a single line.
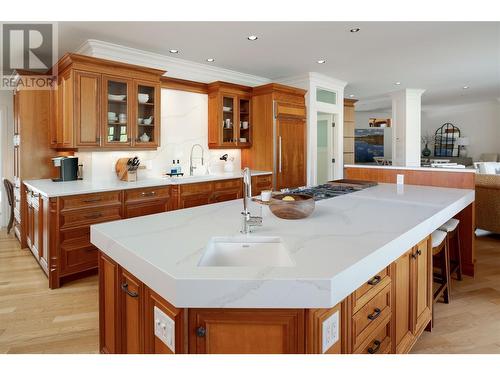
[[342, 244], [49, 188]]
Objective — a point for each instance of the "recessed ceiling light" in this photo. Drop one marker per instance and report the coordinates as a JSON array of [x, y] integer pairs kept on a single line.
[[397, 83], [173, 50], [253, 37], [321, 61], [351, 96], [465, 87], [211, 59], [355, 30]]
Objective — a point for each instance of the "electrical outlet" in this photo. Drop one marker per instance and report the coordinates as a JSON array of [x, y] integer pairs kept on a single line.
[[164, 328], [330, 331], [400, 179]]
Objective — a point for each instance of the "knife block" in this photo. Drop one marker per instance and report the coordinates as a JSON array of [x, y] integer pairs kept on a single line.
[[123, 172]]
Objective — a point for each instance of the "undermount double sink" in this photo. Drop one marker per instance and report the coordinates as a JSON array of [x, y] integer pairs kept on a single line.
[[246, 251]]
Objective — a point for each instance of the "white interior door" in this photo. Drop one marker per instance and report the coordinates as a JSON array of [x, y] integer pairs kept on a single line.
[[324, 147]]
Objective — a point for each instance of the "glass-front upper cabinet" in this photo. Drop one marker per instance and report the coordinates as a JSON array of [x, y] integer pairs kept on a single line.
[[117, 112], [229, 115], [244, 122], [147, 114], [229, 119]]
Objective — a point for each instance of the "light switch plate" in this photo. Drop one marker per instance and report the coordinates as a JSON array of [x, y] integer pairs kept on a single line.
[[330, 332], [164, 328], [400, 178]]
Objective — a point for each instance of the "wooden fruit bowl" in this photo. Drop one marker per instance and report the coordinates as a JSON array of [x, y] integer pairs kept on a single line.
[[301, 207]]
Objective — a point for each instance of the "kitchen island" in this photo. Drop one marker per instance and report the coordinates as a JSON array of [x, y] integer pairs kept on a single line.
[[353, 268]]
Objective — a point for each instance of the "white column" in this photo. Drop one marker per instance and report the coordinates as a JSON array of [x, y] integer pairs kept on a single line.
[[406, 124]]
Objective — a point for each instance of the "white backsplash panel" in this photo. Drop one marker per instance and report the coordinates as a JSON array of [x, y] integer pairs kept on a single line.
[[184, 122]]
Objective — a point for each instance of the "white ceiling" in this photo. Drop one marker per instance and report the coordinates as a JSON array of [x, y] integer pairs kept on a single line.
[[440, 57]]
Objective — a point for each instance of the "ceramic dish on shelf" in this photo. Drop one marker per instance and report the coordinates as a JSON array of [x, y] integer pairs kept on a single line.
[[119, 98], [227, 109], [140, 120], [143, 98], [148, 121]]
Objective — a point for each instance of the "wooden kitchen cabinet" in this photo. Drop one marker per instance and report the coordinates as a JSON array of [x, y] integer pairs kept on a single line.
[[147, 201], [88, 89], [109, 305], [246, 331], [193, 195], [226, 190], [229, 116], [87, 109], [117, 97], [412, 291], [278, 134], [132, 313], [147, 130], [263, 182], [291, 168]]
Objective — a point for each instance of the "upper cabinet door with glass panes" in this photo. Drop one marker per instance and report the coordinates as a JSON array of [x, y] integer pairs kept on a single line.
[[147, 114], [229, 120], [117, 112], [244, 137]]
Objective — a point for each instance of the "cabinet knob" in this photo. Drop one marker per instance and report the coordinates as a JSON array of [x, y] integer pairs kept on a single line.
[[416, 254], [201, 331]]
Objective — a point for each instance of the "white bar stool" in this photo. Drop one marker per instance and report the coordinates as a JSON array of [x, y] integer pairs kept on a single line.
[[452, 229]]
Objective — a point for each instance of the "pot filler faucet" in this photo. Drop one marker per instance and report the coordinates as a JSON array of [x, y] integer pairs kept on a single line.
[[249, 221], [191, 166]]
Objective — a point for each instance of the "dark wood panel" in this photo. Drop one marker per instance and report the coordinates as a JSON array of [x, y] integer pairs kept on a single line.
[[258, 331]]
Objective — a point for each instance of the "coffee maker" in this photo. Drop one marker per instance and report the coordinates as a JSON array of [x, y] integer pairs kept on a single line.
[[68, 168]]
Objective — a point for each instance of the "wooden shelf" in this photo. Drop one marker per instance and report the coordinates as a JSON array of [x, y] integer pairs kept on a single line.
[[150, 104], [146, 124]]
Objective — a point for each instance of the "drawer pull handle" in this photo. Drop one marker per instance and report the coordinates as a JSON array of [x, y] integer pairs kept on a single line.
[[375, 348], [201, 332], [375, 280], [131, 294], [375, 314], [416, 254], [93, 216], [91, 200], [148, 193]]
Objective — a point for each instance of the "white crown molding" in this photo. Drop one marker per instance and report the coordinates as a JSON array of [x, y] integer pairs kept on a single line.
[[175, 67], [316, 79]]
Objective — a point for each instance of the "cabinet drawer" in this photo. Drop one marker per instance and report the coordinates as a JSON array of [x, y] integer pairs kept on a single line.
[[89, 216], [262, 181], [146, 194], [90, 200], [370, 289], [227, 184], [78, 257], [143, 208], [370, 316], [378, 343], [203, 187], [75, 235]]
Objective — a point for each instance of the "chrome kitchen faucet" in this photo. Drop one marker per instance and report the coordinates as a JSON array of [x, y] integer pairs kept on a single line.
[[249, 221]]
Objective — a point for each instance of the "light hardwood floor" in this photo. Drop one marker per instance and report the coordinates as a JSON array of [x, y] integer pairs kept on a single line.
[[471, 322], [35, 319]]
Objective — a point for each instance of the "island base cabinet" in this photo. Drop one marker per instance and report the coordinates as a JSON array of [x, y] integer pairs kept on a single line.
[[412, 291], [246, 331]]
